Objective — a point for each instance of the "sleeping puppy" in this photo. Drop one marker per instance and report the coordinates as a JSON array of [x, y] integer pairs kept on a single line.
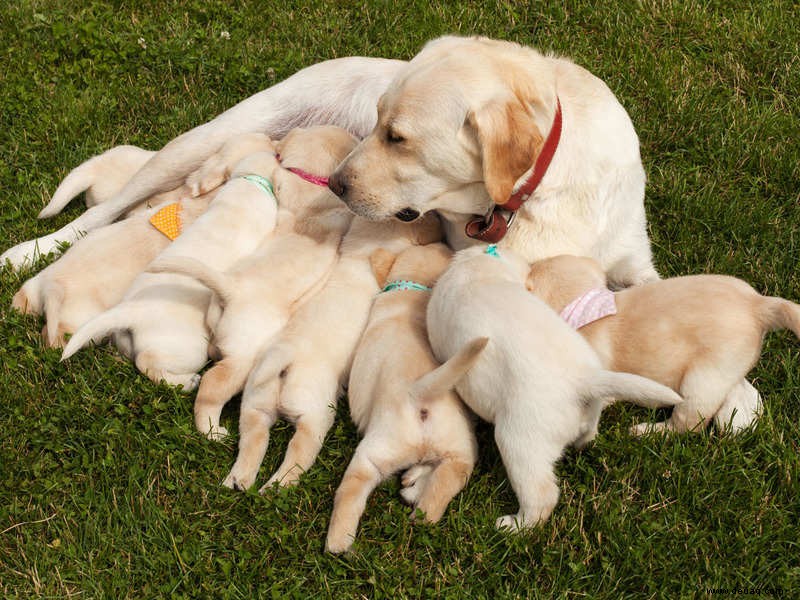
[[538, 380], [300, 375], [699, 335], [160, 322], [100, 178], [402, 400], [253, 301]]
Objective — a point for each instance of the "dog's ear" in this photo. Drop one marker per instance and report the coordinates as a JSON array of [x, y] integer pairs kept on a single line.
[[510, 141], [428, 230], [381, 262]]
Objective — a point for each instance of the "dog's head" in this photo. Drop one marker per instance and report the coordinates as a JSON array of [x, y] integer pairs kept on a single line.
[[455, 131]]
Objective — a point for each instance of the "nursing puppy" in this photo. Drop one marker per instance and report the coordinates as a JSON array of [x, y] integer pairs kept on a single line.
[[402, 400], [160, 322], [538, 380], [94, 273], [300, 375], [699, 335], [254, 300]]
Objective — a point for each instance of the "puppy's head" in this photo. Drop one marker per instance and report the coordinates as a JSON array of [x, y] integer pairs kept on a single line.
[[561, 279], [421, 264], [456, 129], [317, 150]]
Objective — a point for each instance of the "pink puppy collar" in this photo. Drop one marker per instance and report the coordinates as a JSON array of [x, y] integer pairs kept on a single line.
[[590, 307]]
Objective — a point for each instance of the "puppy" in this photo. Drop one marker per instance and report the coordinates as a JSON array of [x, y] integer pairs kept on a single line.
[[100, 178], [699, 335], [300, 375], [160, 322], [402, 400], [94, 273], [254, 300], [538, 380]]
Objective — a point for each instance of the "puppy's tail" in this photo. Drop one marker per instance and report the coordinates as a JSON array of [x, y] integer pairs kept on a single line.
[[271, 364], [445, 377], [777, 313], [607, 385], [26, 303], [217, 281], [122, 316], [80, 179], [54, 298]]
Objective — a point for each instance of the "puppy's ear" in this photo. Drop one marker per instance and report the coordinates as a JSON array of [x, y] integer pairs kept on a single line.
[[428, 230], [510, 141], [381, 262]]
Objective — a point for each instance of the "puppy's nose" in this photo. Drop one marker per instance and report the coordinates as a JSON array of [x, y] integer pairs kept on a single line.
[[337, 185]]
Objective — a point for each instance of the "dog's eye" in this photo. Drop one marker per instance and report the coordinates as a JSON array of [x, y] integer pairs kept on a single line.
[[393, 138]]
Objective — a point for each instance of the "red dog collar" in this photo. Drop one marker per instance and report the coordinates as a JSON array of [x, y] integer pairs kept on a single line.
[[492, 227]]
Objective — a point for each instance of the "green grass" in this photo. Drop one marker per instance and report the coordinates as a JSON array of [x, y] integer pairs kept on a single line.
[[107, 491]]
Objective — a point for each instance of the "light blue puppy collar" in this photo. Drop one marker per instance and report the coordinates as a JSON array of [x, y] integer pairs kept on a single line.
[[262, 183], [491, 250], [403, 284]]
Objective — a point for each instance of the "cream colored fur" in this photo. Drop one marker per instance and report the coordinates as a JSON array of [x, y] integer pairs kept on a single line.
[[100, 178], [402, 401], [699, 335], [259, 294], [464, 122], [300, 375], [538, 381], [93, 274], [160, 322]]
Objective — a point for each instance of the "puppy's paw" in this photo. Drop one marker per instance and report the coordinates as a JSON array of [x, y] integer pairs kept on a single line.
[[217, 434], [641, 429], [238, 482], [25, 253], [509, 523], [287, 479], [338, 544], [191, 383], [414, 481], [211, 174]]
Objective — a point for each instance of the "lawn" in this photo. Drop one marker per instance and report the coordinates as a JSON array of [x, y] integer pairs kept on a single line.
[[106, 490]]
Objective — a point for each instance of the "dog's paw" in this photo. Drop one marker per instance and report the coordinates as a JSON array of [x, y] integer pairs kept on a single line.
[[641, 429], [338, 544], [510, 523], [238, 482], [24, 254], [413, 481], [211, 174], [217, 433]]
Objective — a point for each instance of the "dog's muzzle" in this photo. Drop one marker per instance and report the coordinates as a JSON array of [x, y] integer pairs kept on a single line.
[[407, 215]]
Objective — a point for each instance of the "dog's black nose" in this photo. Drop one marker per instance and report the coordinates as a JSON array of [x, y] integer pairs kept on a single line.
[[407, 215], [337, 185]]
